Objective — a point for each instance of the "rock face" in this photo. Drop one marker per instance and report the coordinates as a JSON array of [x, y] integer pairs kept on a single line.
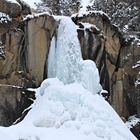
[[26, 52], [24, 63], [13, 101], [24, 46], [40, 32], [115, 59]]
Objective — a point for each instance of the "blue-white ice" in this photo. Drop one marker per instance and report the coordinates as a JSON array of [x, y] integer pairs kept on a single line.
[[65, 60]]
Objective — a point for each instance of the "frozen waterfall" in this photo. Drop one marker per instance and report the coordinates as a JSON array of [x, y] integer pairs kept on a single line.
[[65, 60]]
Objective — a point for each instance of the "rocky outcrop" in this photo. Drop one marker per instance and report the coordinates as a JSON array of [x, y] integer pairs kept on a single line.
[[103, 43]]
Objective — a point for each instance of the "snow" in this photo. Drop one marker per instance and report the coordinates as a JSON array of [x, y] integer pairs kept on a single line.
[[12, 1], [67, 105], [4, 18], [83, 13], [85, 4], [137, 82], [132, 121], [68, 112], [32, 16], [136, 65], [90, 77], [90, 26]]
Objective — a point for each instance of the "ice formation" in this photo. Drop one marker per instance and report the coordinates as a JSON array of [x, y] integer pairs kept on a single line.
[[65, 60]]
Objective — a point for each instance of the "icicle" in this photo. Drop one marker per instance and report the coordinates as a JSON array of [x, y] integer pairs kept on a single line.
[[68, 52]]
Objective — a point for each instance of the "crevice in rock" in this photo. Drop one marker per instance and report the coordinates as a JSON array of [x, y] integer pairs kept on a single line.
[[22, 51]]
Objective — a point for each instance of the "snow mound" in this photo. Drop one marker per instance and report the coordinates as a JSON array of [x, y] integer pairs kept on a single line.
[[62, 111], [68, 112]]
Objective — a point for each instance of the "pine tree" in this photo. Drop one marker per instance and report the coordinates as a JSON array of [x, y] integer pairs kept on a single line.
[[62, 7], [121, 12]]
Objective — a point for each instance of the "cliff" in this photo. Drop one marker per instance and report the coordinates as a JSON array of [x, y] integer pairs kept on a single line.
[[23, 59]]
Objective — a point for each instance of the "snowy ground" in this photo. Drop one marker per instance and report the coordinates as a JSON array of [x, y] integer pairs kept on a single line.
[[68, 107]]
